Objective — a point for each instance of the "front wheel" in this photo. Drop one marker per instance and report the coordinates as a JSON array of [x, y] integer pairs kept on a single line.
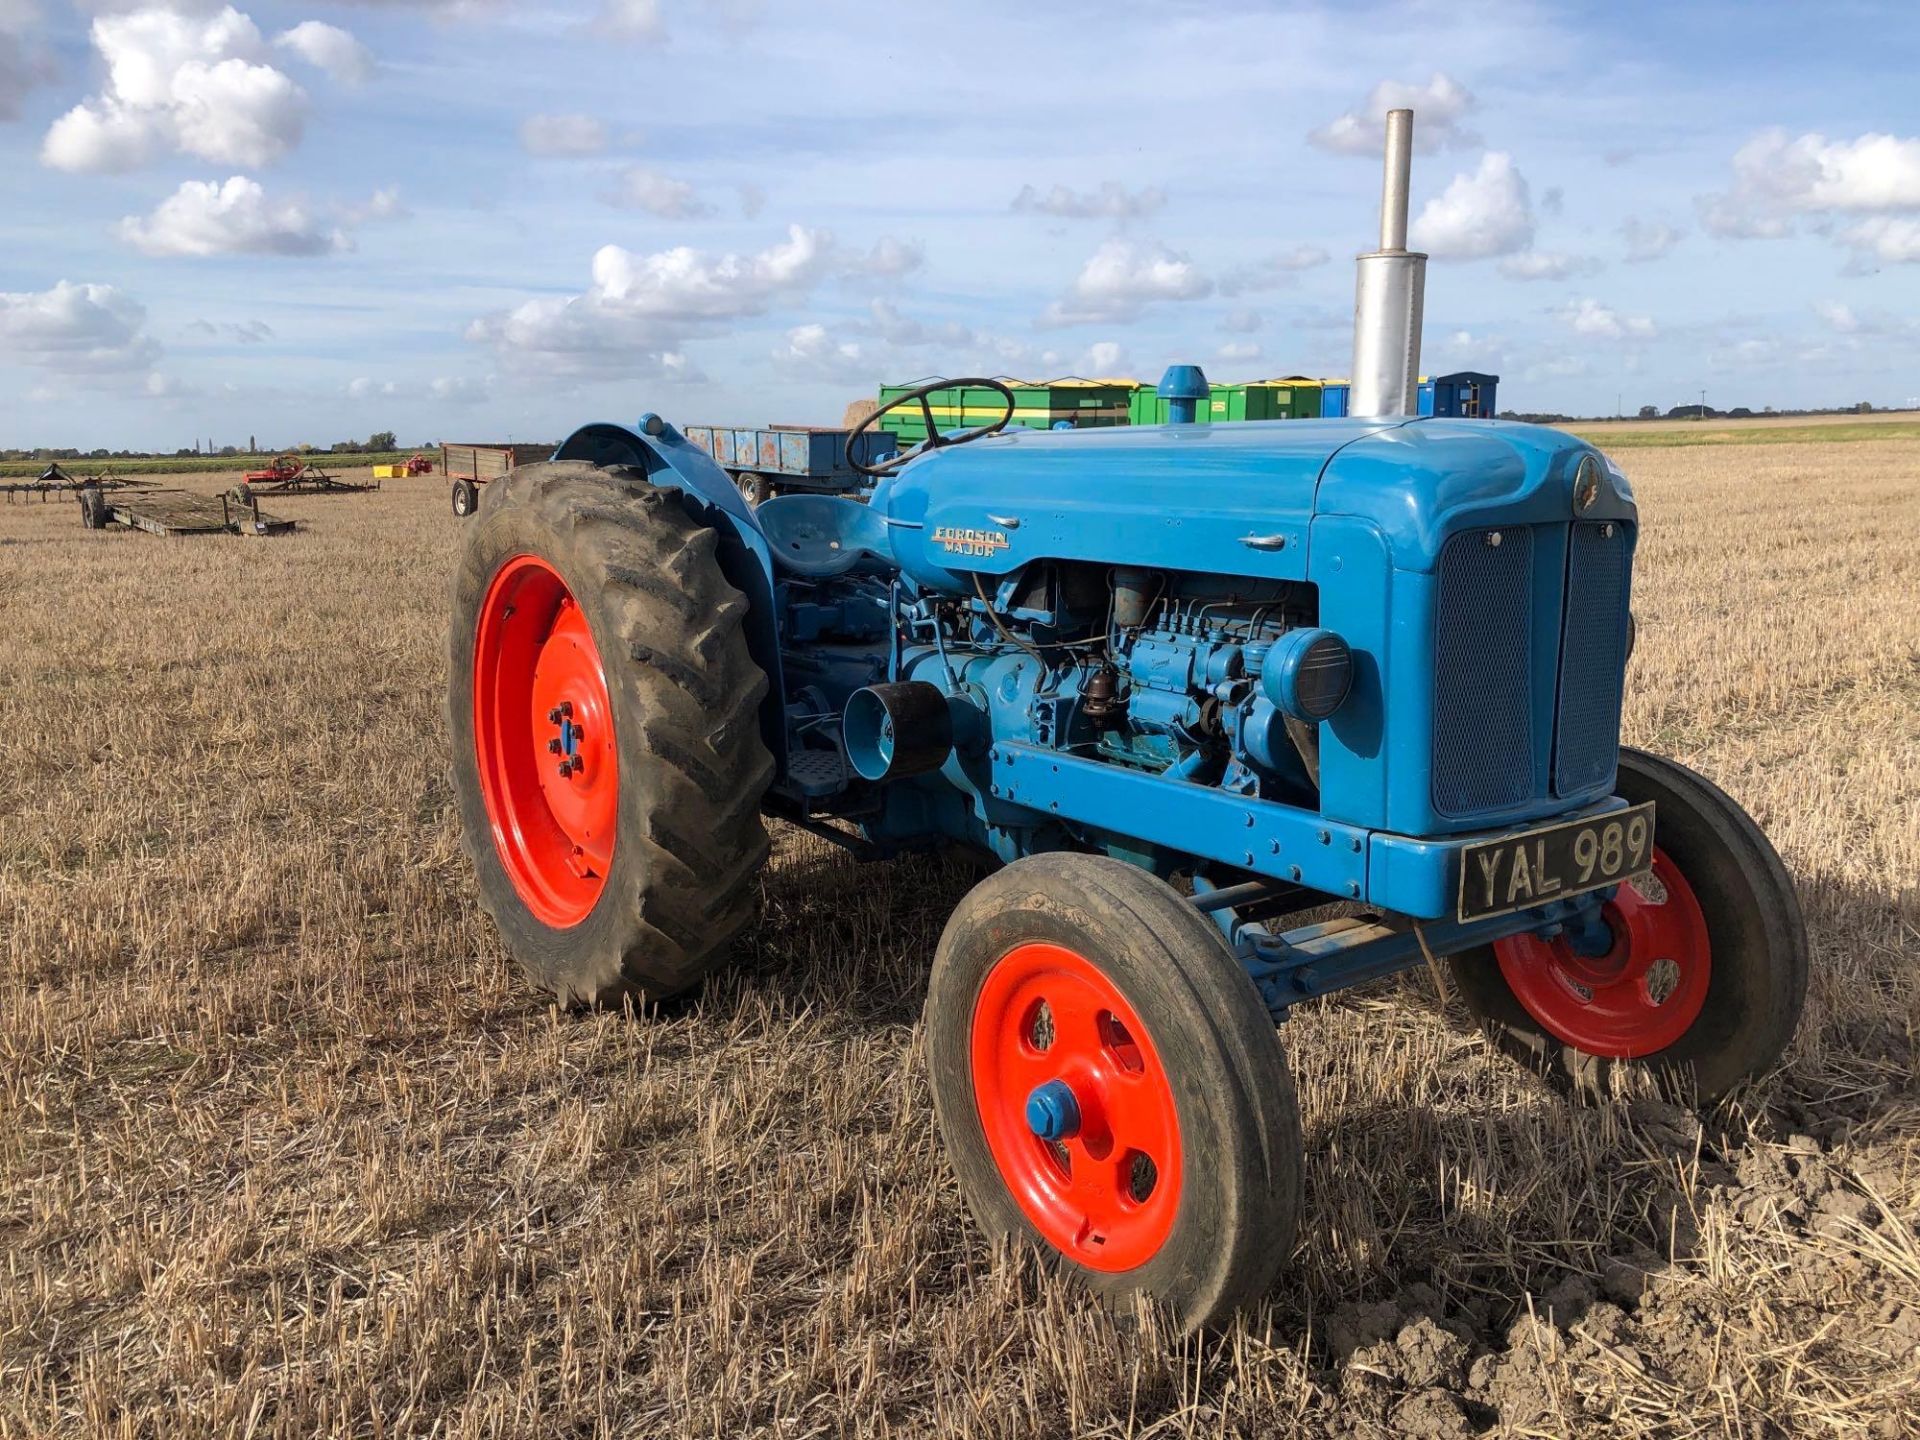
[[1111, 1088], [1704, 980]]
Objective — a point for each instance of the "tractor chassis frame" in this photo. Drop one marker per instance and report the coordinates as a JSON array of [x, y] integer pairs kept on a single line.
[[1314, 960]]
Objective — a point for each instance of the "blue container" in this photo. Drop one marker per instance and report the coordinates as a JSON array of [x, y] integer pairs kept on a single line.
[[1333, 399]]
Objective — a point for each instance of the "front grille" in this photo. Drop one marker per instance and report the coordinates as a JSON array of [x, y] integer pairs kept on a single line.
[[1593, 658], [1483, 675]]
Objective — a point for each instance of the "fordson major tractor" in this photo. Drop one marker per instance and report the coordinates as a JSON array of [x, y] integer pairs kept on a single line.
[[1180, 682]]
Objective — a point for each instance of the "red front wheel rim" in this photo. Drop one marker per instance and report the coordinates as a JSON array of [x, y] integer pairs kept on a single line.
[[1105, 1194], [1643, 994], [543, 740]]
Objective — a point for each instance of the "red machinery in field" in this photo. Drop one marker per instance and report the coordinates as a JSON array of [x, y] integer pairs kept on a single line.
[[289, 474], [419, 465]]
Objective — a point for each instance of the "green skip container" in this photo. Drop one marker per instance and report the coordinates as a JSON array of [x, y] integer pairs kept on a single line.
[[1038, 405]]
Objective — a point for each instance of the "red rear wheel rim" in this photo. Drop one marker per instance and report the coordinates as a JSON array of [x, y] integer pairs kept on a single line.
[[540, 708], [1105, 1196], [1638, 998]]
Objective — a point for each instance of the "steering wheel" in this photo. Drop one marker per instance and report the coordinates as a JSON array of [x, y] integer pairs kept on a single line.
[[935, 440]]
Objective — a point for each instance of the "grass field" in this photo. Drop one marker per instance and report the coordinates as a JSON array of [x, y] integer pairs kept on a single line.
[[287, 1149]]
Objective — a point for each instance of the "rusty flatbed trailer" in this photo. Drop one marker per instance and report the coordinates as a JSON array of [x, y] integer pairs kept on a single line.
[[178, 512], [469, 466]]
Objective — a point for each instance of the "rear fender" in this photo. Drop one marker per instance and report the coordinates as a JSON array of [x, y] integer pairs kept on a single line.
[[669, 459]]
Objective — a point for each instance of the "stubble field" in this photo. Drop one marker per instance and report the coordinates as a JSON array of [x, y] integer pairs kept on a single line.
[[286, 1148]]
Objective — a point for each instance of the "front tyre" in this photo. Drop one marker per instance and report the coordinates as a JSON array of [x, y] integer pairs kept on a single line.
[[1704, 981], [605, 720], [1110, 1086]]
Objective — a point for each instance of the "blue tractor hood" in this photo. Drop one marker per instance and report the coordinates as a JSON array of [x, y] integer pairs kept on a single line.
[[1234, 499]]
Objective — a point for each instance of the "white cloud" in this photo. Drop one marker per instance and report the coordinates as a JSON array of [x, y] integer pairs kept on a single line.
[[563, 135], [1546, 265], [1111, 201], [810, 350], [77, 329], [204, 217], [1102, 359], [246, 332], [1886, 237], [1590, 317], [459, 389], [331, 49], [1478, 215], [24, 61], [1647, 239], [1239, 351], [1273, 271], [1122, 278], [657, 194], [195, 83], [384, 204], [632, 20], [640, 309], [1438, 108], [889, 259], [1778, 178]]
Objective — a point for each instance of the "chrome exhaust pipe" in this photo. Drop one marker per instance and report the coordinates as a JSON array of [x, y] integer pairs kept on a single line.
[[1389, 294]]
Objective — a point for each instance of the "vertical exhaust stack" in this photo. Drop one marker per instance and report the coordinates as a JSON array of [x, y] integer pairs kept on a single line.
[[1389, 294]]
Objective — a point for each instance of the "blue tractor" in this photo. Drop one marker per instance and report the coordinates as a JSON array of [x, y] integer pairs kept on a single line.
[[1180, 683]]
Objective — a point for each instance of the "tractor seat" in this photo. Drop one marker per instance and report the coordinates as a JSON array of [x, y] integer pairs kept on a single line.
[[821, 535]]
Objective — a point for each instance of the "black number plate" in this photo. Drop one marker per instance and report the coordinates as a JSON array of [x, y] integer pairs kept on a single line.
[[1519, 871]]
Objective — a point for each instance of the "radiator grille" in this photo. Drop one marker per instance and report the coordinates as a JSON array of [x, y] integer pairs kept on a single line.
[[1593, 657], [1483, 690]]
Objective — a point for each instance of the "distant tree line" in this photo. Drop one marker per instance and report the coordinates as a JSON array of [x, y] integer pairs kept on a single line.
[[379, 443]]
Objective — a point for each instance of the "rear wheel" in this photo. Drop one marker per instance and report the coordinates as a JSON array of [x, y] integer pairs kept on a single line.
[[1707, 970], [1110, 1085], [755, 489], [605, 719], [466, 497]]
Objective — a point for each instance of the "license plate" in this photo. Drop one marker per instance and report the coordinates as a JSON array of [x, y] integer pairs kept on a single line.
[[1516, 872]]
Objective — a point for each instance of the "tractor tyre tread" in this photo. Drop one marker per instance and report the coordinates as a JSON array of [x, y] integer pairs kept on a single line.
[[693, 766]]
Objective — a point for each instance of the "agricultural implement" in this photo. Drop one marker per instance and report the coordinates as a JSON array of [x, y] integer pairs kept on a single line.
[[793, 459], [178, 512], [1183, 683], [472, 466], [55, 481], [289, 475], [405, 469]]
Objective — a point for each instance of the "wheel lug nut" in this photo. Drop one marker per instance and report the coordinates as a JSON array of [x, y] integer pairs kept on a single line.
[[565, 769], [566, 707], [553, 716], [553, 747], [578, 764]]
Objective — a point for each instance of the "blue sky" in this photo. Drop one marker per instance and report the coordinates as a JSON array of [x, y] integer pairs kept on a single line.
[[309, 221]]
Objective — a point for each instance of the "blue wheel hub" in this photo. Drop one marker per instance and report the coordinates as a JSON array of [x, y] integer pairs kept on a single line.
[[1052, 1111]]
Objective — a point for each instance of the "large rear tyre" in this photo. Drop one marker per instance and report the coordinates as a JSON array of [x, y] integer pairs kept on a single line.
[[1111, 1088], [605, 719], [1707, 973]]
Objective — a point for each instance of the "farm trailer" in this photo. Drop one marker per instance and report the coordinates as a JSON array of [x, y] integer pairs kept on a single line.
[[470, 466], [1182, 683], [791, 459]]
